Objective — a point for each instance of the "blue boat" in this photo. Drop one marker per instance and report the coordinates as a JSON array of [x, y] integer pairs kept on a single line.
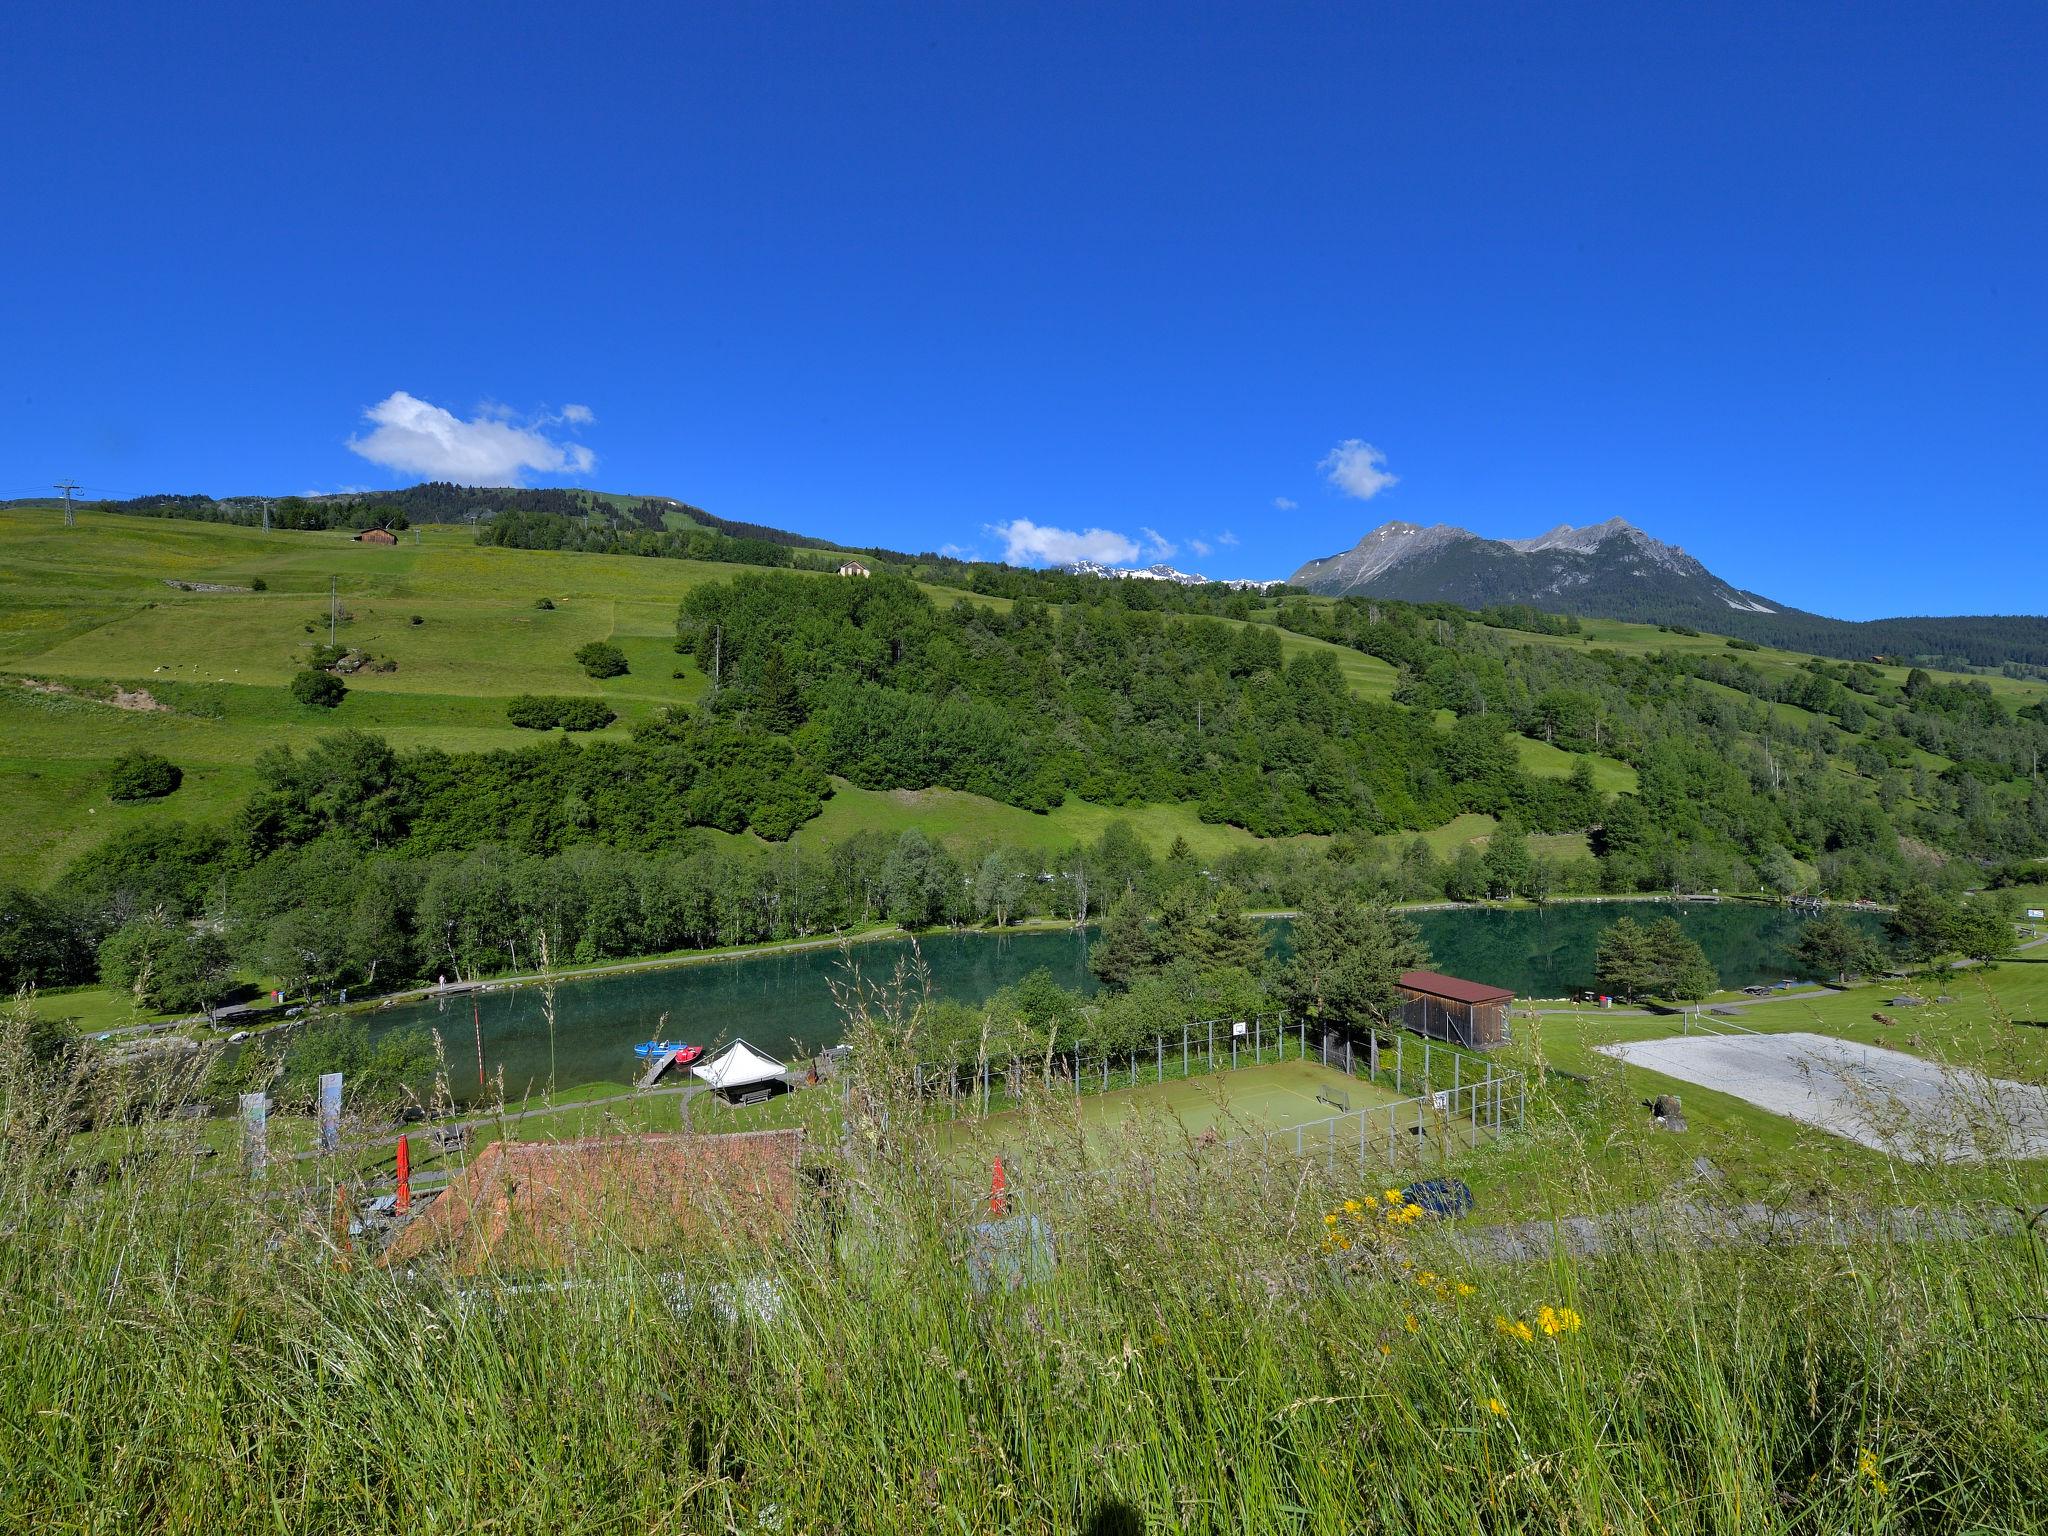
[[685, 1052]]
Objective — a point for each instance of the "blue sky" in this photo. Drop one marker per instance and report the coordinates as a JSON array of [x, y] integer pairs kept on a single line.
[[1766, 281]]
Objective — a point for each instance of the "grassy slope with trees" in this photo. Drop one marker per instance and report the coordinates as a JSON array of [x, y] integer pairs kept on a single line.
[[935, 729]]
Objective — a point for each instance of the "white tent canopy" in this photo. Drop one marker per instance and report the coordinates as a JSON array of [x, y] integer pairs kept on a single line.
[[739, 1066]]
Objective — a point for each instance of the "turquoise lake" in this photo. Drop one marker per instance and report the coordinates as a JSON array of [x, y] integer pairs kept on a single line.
[[782, 1003]]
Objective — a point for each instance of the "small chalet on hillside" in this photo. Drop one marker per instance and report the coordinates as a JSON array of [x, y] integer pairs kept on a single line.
[[376, 536], [854, 568], [1467, 1013]]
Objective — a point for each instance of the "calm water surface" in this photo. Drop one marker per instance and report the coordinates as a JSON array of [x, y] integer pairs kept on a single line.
[[782, 1003]]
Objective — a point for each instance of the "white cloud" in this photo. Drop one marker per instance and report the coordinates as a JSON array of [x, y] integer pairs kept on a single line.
[[956, 551], [1284, 503], [1157, 545], [1227, 537], [578, 415], [1200, 547], [1358, 469], [1029, 543], [415, 438]]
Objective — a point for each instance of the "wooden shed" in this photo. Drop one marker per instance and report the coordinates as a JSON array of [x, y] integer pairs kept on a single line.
[[1468, 1013], [376, 536]]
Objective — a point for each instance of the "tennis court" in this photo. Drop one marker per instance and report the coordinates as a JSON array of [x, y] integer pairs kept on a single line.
[[1245, 1102]]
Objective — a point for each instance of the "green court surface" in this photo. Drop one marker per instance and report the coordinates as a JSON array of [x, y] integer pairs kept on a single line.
[[1245, 1102]]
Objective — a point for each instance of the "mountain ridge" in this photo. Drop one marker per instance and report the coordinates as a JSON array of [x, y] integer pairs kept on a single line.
[[1615, 570], [1572, 567]]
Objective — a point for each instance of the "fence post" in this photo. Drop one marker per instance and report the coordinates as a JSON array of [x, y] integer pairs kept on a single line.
[[1398, 1043], [1258, 1038], [1212, 1045], [1183, 1050], [1363, 1117], [1159, 1048], [1428, 1076], [1457, 1073], [1301, 1039], [1233, 1048]]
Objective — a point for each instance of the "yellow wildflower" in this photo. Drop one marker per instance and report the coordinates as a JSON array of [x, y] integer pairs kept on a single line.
[[1352, 1207], [1330, 1220], [1465, 1288], [1412, 1325], [1372, 1202], [1557, 1320], [1393, 1197], [1411, 1211], [1866, 1463], [1496, 1407], [1427, 1277]]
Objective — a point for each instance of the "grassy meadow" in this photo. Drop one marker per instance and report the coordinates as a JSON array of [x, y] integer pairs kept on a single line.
[[1197, 1338], [91, 610]]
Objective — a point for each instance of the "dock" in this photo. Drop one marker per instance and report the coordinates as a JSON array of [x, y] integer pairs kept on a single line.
[[662, 1063]]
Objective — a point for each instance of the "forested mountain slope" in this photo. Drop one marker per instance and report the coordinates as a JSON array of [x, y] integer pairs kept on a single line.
[[1583, 755]]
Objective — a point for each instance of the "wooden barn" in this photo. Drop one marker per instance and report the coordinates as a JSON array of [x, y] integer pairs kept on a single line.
[[1468, 1013], [376, 536]]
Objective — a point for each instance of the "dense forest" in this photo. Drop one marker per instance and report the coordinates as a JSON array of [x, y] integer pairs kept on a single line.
[[354, 862]]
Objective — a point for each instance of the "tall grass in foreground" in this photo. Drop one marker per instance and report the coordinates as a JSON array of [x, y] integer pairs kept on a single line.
[[1205, 1355]]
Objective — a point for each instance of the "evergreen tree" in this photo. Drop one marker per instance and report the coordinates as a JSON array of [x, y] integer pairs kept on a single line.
[[1923, 925], [1831, 946], [1228, 937], [1507, 862], [1683, 972], [1348, 958], [1625, 963], [1125, 950]]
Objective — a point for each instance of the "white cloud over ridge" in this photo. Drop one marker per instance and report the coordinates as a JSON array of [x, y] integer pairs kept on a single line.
[[1358, 469], [1284, 503], [415, 437], [1029, 543]]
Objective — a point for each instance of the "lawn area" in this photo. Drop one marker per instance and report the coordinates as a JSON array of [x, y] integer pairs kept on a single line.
[[1476, 829], [1540, 758], [94, 606], [963, 821], [1234, 1103], [1369, 677], [1997, 1024]]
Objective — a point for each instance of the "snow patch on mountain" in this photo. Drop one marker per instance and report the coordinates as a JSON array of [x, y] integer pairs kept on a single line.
[[1162, 573]]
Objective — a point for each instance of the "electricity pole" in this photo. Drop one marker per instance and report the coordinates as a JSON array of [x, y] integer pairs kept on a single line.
[[331, 599], [67, 487]]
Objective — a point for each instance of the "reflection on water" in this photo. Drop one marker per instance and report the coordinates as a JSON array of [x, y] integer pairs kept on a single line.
[[783, 1004]]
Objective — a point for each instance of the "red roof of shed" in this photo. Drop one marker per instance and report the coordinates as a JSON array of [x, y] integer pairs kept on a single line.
[[1454, 988]]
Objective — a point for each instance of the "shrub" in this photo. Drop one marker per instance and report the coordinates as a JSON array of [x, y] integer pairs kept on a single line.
[[536, 712], [417, 619], [143, 776], [546, 605], [258, 584], [318, 690], [600, 658]]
